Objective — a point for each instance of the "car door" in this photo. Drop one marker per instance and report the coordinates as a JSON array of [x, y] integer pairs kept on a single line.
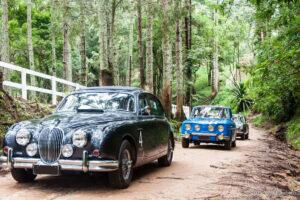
[[144, 128], [159, 133]]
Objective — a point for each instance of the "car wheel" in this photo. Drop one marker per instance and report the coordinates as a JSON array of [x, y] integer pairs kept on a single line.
[[228, 145], [234, 143], [247, 136], [196, 143], [166, 160], [23, 175], [185, 143], [122, 177], [243, 137]]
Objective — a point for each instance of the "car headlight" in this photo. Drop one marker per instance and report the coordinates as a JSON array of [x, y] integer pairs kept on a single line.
[[31, 149], [79, 138], [211, 128], [187, 127], [197, 127], [23, 137], [67, 150], [220, 128]]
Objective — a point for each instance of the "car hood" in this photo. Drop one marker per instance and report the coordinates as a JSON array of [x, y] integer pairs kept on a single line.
[[208, 121], [74, 120]]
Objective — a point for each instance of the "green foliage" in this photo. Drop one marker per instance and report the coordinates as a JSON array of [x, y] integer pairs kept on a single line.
[[259, 120], [275, 80], [225, 98], [176, 127], [293, 133]]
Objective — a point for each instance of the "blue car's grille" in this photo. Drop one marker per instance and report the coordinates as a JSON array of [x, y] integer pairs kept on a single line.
[[50, 141]]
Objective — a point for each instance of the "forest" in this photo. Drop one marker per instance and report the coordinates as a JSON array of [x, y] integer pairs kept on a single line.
[[239, 53]]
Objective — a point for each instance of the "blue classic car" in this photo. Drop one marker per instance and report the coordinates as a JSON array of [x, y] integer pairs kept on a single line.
[[209, 124]]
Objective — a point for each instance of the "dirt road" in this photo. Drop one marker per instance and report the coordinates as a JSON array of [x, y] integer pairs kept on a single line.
[[255, 169]]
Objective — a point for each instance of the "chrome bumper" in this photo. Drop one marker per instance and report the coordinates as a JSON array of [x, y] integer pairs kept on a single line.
[[84, 165], [189, 136]]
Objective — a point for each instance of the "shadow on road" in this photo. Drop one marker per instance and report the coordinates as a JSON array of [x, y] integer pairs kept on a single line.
[[69, 182]]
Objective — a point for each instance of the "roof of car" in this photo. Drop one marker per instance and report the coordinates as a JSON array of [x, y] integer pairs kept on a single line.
[[213, 106], [109, 88]]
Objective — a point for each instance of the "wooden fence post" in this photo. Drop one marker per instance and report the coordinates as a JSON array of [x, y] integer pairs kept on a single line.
[[24, 84]]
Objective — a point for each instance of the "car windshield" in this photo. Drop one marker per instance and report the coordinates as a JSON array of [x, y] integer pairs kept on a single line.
[[211, 112], [101, 101]]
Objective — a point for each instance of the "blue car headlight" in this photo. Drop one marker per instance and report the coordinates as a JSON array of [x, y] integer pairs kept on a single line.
[[187, 127], [211, 128], [197, 127], [220, 128]]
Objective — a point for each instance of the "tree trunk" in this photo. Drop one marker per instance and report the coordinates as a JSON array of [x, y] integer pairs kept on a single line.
[[140, 45], [67, 48], [149, 48], [215, 66], [166, 94], [30, 45], [103, 55], [5, 39], [82, 49], [188, 44], [179, 66], [53, 36], [130, 48]]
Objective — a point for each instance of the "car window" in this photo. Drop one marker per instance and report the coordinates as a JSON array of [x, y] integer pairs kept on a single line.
[[155, 106], [142, 101]]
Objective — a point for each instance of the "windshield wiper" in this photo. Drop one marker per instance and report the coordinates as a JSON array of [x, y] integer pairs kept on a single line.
[[90, 110]]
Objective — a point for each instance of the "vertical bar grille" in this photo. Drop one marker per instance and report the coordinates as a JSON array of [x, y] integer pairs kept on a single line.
[[50, 141]]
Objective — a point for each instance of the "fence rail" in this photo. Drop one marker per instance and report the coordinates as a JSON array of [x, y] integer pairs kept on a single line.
[[24, 87]]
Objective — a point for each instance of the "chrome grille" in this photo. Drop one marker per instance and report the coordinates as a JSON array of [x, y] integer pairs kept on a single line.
[[50, 142]]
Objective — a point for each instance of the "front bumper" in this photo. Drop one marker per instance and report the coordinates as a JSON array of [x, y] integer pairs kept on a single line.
[[84, 165], [206, 137]]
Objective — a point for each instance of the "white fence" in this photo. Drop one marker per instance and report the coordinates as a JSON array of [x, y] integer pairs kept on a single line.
[[186, 110], [24, 87]]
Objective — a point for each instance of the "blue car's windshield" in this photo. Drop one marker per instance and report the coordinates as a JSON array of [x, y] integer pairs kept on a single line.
[[100, 101], [210, 112]]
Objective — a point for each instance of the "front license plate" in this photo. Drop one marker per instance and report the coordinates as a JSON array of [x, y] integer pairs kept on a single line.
[[203, 137], [46, 169]]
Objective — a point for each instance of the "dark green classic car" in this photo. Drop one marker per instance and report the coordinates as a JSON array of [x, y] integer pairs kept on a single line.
[[103, 129]]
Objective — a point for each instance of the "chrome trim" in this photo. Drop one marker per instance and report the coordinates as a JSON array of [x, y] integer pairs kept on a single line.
[[66, 165], [205, 134]]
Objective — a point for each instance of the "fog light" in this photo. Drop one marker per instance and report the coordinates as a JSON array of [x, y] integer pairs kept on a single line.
[[221, 137], [187, 136], [67, 150], [31, 149], [96, 153]]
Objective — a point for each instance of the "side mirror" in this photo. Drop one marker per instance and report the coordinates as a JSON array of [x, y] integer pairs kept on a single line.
[[145, 111]]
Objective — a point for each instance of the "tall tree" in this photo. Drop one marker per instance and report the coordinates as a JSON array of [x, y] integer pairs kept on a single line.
[[149, 47], [130, 46], [29, 42], [140, 45], [53, 37], [5, 37], [66, 35], [166, 94], [179, 65], [188, 47], [215, 57], [82, 45]]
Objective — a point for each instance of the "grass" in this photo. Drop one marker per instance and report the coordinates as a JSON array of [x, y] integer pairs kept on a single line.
[[293, 133]]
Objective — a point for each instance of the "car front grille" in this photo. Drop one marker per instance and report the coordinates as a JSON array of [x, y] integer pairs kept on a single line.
[[50, 142]]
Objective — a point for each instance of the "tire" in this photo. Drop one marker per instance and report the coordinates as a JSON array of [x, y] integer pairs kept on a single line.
[[243, 136], [185, 143], [228, 145], [122, 177], [22, 175], [196, 143], [247, 136], [234, 143], [166, 160]]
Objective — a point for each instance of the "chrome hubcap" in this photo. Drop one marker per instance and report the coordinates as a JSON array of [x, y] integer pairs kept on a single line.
[[126, 164]]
